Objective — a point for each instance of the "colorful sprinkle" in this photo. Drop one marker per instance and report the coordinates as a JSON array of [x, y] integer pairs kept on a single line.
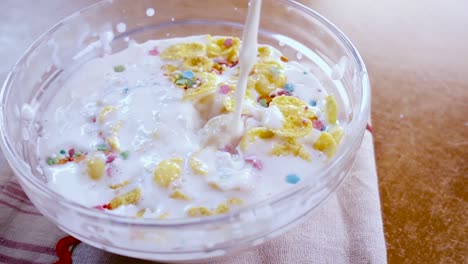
[[224, 89], [284, 59], [62, 152], [125, 91], [188, 74], [257, 164], [313, 103], [71, 152], [289, 87], [228, 42], [119, 68], [154, 52], [110, 159], [292, 178], [263, 102], [317, 124], [125, 155], [103, 147], [51, 161]]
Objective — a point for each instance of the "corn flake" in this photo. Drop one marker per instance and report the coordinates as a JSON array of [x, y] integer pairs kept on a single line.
[[104, 112], [131, 197], [198, 166], [326, 143], [198, 63], [207, 87], [216, 48], [177, 194], [199, 211], [167, 171], [297, 116], [254, 133], [95, 168], [331, 109], [222, 209], [291, 147], [182, 51]]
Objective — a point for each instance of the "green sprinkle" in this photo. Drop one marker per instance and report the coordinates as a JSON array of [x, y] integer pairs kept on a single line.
[[263, 102], [125, 155], [181, 81], [119, 68], [50, 161], [77, 154], [103, 147], [62, 152]]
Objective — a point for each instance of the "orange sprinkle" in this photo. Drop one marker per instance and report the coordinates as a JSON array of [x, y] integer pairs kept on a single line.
[[284, 59]]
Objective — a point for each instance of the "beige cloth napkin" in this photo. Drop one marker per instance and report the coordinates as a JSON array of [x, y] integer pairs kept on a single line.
[[347, 228]]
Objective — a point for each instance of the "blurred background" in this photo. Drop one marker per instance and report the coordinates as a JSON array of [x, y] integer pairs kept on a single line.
[[417, 57]]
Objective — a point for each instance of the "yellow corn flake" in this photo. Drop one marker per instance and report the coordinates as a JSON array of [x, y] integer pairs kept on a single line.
[[178, 195], [235, 201], [114, 143], [222, 209], [141, 213], [131, 197], [214, 186], [264, 52], [267, 77], [337, 133], [119, 185], [116, 127], [252, 134], [297, 116], [163, 216], [229, 102], [167, 171], [199, 211], [207, 87], [326, 143], [104, 112], [290, 147], [198, 166], [217, 48], [169, 68], [198, 63], [95, 168], [183, 50], [331, 109]]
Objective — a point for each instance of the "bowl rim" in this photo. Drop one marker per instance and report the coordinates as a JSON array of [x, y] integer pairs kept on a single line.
[[22, 170]]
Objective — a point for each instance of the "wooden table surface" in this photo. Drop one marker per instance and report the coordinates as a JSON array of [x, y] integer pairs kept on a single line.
[[417, 56]]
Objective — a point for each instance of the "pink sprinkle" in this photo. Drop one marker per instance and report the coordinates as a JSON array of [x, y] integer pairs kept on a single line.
[[71, 152], [317, 124], [110, 158], [154, 52], [109, 171], [93, 119], [257, 164], [222, 61], [228, 148], [224, 89], [228, 42], [99, 207], [304, 121]]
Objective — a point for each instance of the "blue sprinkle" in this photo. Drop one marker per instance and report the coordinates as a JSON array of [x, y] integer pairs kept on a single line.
[[263, 102], [305, 73], [292, 178], [125, 91], [313, 103], [188, 74], [324, 128], [289, 87]]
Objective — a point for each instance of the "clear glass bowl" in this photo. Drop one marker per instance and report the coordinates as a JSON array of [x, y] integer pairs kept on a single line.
[[296, 30]]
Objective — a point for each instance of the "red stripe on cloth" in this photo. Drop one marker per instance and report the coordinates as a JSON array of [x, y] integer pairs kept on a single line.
[[369, 128], [63, 249], [19, 209], [18, 199], [18, 191], [12, 260], [26, 246], [14, 183]]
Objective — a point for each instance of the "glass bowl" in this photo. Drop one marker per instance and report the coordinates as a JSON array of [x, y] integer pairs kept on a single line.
[[291, 27]]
